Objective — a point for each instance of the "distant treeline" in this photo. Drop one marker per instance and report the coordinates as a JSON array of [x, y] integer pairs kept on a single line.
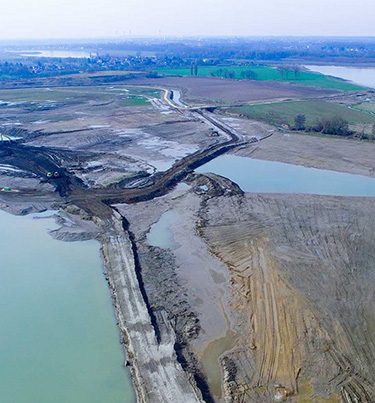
[[273, 49], [150, 54]]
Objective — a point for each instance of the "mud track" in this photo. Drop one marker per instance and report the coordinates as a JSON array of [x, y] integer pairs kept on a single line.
[[40, 160]]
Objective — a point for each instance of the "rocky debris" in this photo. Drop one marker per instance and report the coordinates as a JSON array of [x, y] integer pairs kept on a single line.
[[212, 185]]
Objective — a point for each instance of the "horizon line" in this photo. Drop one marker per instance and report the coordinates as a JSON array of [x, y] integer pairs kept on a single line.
[[182, 37]]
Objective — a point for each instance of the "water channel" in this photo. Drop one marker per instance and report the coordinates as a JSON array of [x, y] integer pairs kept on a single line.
[[258, 176]]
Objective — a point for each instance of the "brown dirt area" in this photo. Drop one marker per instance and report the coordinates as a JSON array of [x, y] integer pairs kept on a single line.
[[301, 276], [219, 91]]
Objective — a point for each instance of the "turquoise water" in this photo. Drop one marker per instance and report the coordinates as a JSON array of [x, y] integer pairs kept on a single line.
[[260, 176], [58, 339]]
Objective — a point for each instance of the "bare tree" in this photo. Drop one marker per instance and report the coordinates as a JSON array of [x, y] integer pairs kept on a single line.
[[300, 122]]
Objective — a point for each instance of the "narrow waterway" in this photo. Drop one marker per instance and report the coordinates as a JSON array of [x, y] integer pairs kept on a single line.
[[58, 340], [258, 176], [360, 75]]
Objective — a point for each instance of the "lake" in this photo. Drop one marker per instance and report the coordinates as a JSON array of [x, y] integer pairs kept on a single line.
[[58, 342], [258, 176], [78, 54], [359, 75]]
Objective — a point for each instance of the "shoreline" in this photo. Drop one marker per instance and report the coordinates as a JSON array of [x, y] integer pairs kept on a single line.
[[117, 254], [150, 345], [156, 373]]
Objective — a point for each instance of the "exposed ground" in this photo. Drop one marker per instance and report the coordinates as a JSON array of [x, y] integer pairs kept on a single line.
[[337, 154], [122, 134], [252, 298], [68, 153], [210, 90], [301, 278]]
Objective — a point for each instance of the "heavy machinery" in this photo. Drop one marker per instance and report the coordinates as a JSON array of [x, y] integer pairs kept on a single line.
[[53, 175]]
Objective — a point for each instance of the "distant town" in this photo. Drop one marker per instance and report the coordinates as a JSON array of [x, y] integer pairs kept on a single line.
[[148, 55]]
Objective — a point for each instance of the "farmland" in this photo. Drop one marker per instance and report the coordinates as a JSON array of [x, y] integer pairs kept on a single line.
[[266, 73]]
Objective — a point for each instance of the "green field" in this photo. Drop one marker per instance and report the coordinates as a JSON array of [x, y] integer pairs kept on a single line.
[[284, 112], [268, 73], [366, 107]]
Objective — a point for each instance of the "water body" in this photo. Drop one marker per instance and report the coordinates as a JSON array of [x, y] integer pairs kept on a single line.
[[160, 234], [359, 75], [58, 339], [78, 54], [258, 176]]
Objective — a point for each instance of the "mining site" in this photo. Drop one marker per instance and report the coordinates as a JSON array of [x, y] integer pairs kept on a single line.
[[220, 294]]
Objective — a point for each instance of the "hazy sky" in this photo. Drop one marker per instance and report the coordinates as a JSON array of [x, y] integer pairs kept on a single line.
[[114, 18]]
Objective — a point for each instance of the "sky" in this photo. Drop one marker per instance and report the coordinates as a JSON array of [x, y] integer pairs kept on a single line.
[[53, 19]]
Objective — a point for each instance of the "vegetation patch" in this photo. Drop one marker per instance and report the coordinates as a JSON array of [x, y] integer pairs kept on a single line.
[[319, 116], [365, 107], [293, 74]]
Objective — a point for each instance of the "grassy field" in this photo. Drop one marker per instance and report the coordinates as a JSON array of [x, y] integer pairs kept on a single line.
[[269, 73], [285, 112], [366, 107]]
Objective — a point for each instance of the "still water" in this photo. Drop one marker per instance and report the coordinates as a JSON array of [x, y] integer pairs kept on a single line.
[[160, 234], [79, 54], [260, 176], [58, 339], [359, 75]]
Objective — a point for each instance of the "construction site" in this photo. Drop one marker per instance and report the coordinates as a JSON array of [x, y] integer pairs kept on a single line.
[[220, 294]]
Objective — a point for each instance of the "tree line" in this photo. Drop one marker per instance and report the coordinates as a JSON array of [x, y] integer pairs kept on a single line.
[[335, 125]]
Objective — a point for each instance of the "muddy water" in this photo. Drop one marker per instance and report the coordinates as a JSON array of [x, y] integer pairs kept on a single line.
[[362, 76], [58, 339], [210, 359], [258, 176], [206, 278]]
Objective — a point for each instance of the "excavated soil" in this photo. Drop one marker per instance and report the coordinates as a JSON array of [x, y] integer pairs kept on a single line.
[[218, 91], [302, 278]]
